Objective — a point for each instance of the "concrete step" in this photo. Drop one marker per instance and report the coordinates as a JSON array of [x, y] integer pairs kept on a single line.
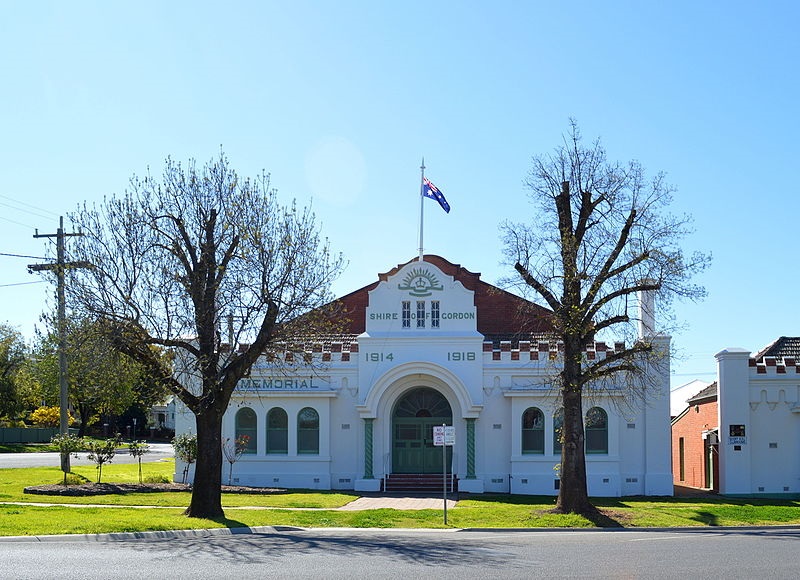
[[417, 483]]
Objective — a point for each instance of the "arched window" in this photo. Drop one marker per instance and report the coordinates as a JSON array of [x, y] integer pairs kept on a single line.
[[277, 431], [532, 431], [558, 430], [308, 431], [247, 426], [596, 431]]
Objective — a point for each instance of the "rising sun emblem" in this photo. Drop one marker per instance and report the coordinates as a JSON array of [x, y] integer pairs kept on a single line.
[[420, 283]]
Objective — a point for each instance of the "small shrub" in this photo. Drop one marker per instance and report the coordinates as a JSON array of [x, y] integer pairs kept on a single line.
[[157, 479], [68, 445], [74, 479], [137, 449], [49, 417], [185, 446], [103, 452]]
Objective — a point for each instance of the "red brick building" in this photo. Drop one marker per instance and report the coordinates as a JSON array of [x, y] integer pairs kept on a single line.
[[695, 448]]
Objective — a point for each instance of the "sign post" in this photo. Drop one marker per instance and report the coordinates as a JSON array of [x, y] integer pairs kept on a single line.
[[443, 437]]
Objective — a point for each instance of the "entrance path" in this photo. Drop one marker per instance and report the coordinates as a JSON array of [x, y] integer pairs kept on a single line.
[[397, 503]]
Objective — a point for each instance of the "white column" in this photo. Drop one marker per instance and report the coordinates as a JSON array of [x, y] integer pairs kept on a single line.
[[733, 399], [658, 445]]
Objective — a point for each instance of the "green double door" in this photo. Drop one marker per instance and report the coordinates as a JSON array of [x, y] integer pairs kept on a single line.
[[413, 420], [413, 448]]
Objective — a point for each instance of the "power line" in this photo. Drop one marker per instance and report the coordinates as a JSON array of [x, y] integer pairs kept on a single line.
[[18, 223], [21, 256], [27, 211], [21, 283], [39, 209]]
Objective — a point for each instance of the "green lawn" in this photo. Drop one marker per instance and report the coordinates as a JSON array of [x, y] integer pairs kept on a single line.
[[483, 511]]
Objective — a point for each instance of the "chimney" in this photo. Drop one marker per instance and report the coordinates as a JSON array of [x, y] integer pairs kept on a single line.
[[647, 309]]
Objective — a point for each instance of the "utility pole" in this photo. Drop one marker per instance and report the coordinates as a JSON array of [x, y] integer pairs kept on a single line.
[[60, 267]]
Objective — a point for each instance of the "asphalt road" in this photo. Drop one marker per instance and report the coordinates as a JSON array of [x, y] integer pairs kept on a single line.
[[319, 553], [157, 452]]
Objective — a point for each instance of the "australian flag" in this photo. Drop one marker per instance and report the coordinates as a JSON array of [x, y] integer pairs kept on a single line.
[[433, 192]]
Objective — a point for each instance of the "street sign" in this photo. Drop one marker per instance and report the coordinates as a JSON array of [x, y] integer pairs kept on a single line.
[[444, 435]]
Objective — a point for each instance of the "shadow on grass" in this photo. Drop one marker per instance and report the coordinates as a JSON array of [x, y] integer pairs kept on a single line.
[[508, 499], [706, 518], [537, 500], [602, 519], [235, 526]]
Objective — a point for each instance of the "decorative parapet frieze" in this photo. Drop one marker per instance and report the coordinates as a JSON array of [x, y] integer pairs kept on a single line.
[[525, 351], [771, 365], [310, 352]]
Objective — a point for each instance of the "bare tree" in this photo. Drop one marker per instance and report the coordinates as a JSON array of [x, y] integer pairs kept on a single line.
[[600, 237], [233, 449], [198, 262]]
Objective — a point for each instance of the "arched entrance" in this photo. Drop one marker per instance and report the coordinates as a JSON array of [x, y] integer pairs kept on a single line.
[[415, 414]]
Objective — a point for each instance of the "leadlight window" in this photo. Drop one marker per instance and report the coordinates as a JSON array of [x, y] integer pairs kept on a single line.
[[532, 431], [277, 431], [434, 314], [247, 426], [308, 431], [406, 313], [596, 431], [420, 314]]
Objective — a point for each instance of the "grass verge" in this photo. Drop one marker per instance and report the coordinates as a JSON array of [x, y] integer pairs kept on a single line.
[[484, 511]]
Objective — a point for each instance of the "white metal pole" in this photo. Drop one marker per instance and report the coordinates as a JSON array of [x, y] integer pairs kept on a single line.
[[421, 205], [444, 471]]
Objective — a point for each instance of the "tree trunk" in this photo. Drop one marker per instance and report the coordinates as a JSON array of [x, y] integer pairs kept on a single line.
[[572, 492], [85, 413], [206, 499]]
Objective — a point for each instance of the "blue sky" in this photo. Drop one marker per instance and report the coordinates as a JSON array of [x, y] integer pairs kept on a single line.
[[339, 101]]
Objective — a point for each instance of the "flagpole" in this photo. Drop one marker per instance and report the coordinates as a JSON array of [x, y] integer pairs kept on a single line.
[[421, 205]]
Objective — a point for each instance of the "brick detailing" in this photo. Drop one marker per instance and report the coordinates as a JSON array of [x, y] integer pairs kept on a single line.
[[774, 365], [544, 350]]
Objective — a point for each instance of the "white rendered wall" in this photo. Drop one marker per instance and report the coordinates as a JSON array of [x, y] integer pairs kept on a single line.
[[657, 430], [734, 409]]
